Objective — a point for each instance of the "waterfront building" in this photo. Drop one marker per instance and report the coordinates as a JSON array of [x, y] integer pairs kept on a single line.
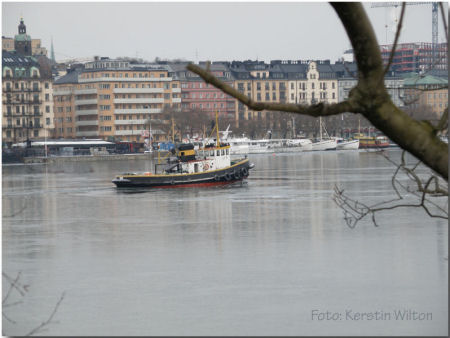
[[260, 82], [27, 99], [115, 99], [392, 81], [27, 92], [196, 95], [426, 94]]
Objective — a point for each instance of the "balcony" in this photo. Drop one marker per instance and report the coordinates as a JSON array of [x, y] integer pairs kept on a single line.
[[85, 102], [138, 90], [176, 90], [85, 91], [86, 112], [62, 92], [86, 133], [176, 100], [138, 111], [86, 123], [140, 100], [127, 122], [21, 101]]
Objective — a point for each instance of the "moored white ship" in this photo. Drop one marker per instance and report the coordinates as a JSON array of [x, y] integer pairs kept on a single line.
[[348, 145]]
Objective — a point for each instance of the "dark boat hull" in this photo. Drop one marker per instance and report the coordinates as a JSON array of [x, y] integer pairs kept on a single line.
[[234, 173]]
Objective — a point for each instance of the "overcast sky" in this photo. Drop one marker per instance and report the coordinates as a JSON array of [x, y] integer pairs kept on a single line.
[[205, 30]]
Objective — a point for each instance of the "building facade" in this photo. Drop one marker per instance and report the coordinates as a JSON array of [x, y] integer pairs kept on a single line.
[[27, 91], [27, 99], [416, 57], [426, 93], [196, 95], [114, 99]]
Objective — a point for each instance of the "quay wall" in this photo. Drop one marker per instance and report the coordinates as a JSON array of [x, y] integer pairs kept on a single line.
[[89, 158]]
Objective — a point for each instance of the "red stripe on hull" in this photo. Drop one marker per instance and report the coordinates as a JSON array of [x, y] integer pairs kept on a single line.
[[197, 185]]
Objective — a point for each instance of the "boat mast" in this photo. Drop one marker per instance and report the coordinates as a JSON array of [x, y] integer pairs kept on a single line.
[[320, 127], [173, 132], [217, 130]]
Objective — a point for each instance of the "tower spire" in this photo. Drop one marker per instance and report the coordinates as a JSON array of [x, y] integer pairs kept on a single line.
[[22, 27], [52, 52]]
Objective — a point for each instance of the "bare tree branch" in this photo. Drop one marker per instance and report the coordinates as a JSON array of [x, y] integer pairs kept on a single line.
[[354, 210], [444, 20], [48, 321]]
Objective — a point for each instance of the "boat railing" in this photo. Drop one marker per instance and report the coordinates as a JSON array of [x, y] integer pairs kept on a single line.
[[164, 157]]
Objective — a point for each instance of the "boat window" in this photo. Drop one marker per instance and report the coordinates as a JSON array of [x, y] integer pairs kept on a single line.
[[218, 152], [211, 152], [223, 152], [227, 151]]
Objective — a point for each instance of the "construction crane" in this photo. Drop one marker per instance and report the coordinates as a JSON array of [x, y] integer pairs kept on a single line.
[[434, 19]]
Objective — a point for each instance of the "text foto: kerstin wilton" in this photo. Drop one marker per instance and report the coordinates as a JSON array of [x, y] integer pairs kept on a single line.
[[404, 314]]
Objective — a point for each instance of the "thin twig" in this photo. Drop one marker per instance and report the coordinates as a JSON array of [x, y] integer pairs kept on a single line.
[[43, 324], [13, 284], [444, 20]]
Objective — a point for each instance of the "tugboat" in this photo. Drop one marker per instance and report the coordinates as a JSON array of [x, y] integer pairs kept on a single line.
[[208, 166]]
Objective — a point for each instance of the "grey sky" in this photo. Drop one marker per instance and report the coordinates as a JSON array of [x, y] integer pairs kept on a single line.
[[217, 31]]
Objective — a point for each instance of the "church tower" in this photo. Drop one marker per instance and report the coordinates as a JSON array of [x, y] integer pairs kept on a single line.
[[22, 41]]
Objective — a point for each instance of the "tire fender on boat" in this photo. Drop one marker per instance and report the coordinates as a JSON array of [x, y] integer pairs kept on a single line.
[[228, 176], [216, 178], [244, 172], [237, 174]]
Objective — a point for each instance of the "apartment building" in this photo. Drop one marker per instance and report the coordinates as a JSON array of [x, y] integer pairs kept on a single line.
[[115, 99], [298, 82], [27, 99], [196, 95], [259, 82]]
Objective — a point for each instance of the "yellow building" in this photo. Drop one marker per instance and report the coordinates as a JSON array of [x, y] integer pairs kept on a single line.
[[114, 99], [426, 93]]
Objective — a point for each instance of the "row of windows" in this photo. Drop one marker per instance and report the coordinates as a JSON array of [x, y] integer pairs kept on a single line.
[[19, 133], [204, 95], [194, 85], [24, 85], [125, 75], [207, 105], [217, 152]]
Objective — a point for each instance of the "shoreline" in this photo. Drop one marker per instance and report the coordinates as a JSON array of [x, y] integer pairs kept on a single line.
[[87, 158]]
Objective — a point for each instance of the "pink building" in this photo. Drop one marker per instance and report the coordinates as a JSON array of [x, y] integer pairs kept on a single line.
[[200, 96]]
